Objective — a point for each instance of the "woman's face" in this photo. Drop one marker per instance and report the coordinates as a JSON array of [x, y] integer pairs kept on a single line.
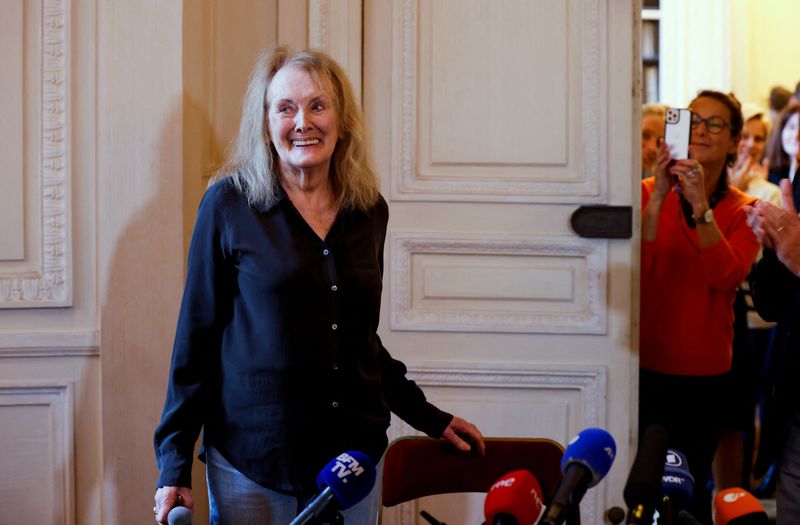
[[652, 131], [789, 135], [754, 136], [303, 121], [711, 146]]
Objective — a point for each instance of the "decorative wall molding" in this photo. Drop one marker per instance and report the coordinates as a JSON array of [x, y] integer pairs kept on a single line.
[[49, 284], [319, 13], [584, 178], [589, 381], [49, 344], [587, 317], [335, 27], [58, 396]]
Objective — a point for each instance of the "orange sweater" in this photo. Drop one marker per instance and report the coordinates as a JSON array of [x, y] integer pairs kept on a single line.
[[687, 292]]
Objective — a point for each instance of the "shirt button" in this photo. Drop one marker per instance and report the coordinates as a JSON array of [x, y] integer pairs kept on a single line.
[[326, 251], [335, 404], [334, 326], [334, 288]]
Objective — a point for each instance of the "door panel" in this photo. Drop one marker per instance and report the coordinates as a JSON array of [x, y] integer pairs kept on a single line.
[[490, 123]]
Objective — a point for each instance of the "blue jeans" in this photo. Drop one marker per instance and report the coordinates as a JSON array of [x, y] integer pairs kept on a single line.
[[235, 499]]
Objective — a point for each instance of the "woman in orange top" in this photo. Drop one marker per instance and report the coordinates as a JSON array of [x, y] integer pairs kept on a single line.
[[696, 250]]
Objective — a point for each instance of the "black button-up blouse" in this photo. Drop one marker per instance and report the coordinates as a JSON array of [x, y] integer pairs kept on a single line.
[[276, 354]]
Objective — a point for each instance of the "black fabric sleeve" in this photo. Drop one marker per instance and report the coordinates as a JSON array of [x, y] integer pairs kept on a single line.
[[407, 400], [203, 311], [403, 396], [773, 287]]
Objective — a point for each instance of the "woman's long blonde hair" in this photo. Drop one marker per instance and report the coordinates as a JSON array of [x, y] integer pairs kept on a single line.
[[253, 163]]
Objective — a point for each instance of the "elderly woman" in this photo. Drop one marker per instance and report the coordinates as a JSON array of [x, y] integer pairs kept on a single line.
[[696, 250], [277, 356], [776, 295]]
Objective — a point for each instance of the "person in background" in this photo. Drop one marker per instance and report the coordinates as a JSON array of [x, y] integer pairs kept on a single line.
[[732, 462], [652, 133], [782, 148], [795, 98], [751, 170], [277, 356], [696, 250], [775, 285], [779, 98]]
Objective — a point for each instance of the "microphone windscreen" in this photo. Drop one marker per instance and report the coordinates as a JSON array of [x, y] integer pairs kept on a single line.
[[644, 481], [518, 495], [179, 516], [351, 476], [736, 506], [677, 483], [593, 448]]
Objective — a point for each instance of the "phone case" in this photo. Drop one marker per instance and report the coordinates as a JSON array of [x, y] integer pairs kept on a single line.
[[678, 132]]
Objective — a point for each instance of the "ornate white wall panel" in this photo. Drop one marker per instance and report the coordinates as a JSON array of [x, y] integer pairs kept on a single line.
[[42, 278], [335, 27], [11, 105], [36, 466], [541, 284], [546, 402], [534, 135]]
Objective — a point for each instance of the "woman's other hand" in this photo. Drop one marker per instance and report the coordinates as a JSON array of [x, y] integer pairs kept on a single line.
[[460, 429], [691, 178], [168, 498]]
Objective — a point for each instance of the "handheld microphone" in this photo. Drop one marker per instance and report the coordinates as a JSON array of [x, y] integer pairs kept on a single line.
[[344, 481], [643, 488], [677, 485], [514, 499], [586, 461], [736, 506], [179, 516]]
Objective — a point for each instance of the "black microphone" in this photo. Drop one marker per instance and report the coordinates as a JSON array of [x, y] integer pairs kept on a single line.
[[344, 481], [643, 488], [587, 459], [179, 516]]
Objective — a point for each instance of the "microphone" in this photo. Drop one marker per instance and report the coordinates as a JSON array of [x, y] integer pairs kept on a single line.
[[643, 488], [514, 499], [179, 516], [736, 506], [344, 481], [586, 461], [677, 485]]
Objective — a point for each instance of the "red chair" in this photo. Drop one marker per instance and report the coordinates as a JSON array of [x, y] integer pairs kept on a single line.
[[414, 467]]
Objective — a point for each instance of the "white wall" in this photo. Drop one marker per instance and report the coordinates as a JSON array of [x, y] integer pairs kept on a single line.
[[744, 46]]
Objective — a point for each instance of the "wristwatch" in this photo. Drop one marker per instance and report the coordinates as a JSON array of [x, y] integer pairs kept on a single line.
[[706, 218]]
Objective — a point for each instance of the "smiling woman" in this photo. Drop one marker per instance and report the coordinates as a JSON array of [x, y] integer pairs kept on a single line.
[[276, 355], [696, 251]]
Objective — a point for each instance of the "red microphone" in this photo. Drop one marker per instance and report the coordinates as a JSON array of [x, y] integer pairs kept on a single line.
[[514, 499], [736, 506]]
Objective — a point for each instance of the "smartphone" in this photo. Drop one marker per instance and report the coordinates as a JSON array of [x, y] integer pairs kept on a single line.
[[678, 132]]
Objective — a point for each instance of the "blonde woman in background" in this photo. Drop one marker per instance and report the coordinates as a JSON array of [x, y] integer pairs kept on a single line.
[[652, 132], [750, 172]]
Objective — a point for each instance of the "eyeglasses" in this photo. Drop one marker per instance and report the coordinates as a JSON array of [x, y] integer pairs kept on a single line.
[[714, 124]]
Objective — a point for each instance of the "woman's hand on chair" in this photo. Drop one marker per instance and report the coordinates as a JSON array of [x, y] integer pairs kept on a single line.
[[460, 432]]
